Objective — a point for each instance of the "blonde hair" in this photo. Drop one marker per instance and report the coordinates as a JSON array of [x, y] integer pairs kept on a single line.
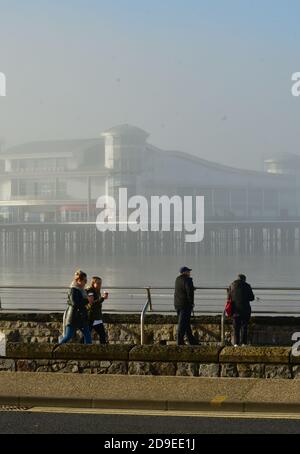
[[94, 280], [79, 275]]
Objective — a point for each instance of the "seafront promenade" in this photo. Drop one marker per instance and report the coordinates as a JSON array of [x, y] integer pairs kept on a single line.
[[75, 404], [148, 381], [23, 390], [156, 376]]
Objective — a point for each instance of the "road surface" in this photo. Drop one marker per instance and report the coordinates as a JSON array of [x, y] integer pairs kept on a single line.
[[110, 422]]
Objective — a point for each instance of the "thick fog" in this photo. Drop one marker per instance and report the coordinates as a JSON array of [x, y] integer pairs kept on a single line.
[[209, 78], [184, 92]]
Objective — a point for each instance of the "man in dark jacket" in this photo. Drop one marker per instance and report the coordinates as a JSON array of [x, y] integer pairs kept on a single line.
[[184, 303], [241, 295]]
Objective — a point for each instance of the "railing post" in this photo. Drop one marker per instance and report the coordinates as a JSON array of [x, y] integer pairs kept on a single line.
[[223, 329], [148, 304], [149, 298]]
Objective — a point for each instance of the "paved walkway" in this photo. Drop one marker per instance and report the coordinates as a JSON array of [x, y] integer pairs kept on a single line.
[[149, 392]]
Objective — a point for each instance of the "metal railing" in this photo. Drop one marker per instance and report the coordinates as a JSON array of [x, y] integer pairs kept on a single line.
[[208, 300], [273, 301], [45, 299], [143, 313], [223, 318]]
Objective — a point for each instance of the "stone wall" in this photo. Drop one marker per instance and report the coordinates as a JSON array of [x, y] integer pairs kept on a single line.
[[159, 329], [197, 361]]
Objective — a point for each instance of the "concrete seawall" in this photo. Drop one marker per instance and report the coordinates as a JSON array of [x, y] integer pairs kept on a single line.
[[155, 360], [159, 329], [148, 393]]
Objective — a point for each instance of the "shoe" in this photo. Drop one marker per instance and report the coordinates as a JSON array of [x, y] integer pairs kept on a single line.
[[235, 345]]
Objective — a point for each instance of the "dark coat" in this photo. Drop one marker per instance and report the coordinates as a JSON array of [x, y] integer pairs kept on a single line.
[[184, 292], [95, 309], [241, 295], [76, 313]]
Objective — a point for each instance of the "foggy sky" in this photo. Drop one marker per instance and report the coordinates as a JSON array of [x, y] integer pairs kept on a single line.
[[212, 78]]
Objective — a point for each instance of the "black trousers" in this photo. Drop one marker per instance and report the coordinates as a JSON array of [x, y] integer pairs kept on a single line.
[[100, 330], [240, 329], [184, 327]]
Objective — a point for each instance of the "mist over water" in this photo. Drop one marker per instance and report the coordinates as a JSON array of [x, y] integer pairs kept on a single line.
[[120, 271]]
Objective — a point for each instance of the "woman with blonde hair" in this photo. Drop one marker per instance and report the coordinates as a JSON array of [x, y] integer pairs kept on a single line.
[[76, 316]]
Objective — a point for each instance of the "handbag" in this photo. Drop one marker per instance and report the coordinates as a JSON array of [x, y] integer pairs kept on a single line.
[[229, 308]]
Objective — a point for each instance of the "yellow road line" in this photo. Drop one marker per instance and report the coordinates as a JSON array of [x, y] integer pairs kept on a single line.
[[218, 400], [200, 414]]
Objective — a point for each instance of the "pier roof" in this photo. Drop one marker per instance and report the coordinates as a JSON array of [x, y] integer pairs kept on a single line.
[[50, 148], [125, 130]]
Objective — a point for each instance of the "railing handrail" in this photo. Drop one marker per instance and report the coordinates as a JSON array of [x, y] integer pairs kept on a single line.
[[212, 307], [66, 287], [62, 287]]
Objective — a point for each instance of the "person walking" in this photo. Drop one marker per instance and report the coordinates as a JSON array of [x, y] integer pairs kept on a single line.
[[184, 303], [241, 294], [94, 308], [76, 316]]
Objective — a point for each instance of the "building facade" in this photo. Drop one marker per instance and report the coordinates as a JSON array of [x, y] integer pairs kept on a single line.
[[60, 181]]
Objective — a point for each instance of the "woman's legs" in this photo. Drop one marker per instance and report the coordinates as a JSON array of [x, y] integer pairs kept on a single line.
[[100, 330], [69, 333], [87, 335]]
